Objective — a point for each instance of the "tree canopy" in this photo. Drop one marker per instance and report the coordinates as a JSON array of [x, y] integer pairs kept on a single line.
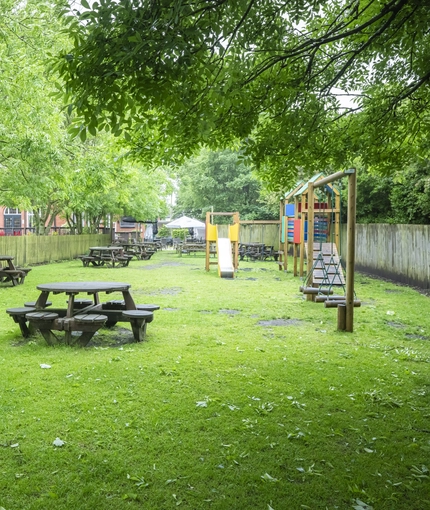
[[173, 75], [42, 169], [219, 181]]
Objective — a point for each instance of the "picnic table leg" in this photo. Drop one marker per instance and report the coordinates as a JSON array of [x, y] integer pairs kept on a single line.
[[49, 336], [138, 327], [41, 301], [26, 331], [84, 339], [128, 301]]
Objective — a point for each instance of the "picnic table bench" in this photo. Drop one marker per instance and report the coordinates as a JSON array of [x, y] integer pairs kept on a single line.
[[110, 256], [139, 250], [86, 316], [11, 273]]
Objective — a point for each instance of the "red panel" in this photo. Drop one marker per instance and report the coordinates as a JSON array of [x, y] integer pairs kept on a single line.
[[297, 231]]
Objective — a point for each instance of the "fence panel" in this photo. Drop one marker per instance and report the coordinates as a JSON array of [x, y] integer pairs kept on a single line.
[[258, 233], [42, 249], [398, 252]]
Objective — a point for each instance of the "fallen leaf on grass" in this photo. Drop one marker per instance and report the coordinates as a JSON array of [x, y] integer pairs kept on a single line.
[[267, 478], [360, 505]]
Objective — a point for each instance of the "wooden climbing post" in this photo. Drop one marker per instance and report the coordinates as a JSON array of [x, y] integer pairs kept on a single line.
[[350, 254]]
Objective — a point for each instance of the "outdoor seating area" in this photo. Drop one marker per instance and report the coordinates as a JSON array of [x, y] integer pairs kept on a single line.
[[140, 251], [190, 247], [82, 318], [11, 273], [109, 256], [257, 251]]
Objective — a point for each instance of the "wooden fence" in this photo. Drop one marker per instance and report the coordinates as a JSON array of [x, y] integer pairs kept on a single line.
[[42, 249], [397, 252], [260, 233]]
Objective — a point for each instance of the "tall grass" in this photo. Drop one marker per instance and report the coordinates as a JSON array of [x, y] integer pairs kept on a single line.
[[243, 396]]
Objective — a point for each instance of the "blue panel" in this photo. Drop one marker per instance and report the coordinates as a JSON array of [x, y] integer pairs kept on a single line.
[[289, 210]]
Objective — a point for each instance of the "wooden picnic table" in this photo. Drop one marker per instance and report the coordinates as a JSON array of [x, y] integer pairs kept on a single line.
[[198, 247], [110, 256], [139, 250], [84, 316], [11, 273]]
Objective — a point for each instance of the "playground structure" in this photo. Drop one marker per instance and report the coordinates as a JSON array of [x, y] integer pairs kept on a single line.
[[294, 215], [310, 218], [227, 248]]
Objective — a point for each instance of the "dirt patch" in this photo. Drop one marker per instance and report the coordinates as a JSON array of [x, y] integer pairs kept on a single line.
[[113, 338], [171, 309], [425, 292], [280, 322], [417, 337], [157, 266], [396, 325], [230, 312]]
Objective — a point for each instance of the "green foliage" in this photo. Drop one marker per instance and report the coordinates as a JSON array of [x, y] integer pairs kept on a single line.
[[43, 169], [180, 233], [404, 198], [410, 197], [174, 76], [163, 232], [221, 182]]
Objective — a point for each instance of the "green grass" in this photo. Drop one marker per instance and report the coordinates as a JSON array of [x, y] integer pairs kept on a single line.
[[216, 411]]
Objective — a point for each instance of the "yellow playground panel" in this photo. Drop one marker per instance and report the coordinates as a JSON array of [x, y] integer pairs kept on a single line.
[[227, 248]]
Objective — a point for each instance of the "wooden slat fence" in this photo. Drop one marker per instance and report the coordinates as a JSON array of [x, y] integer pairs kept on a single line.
[[397, 252], [42, 249]]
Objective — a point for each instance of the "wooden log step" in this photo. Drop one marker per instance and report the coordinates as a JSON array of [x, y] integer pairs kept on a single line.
[[335, 303], [315, 290], [333, 297]]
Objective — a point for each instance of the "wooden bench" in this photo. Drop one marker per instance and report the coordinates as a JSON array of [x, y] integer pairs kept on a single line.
[[19, 316], [123, 260], [44, 322], [86, 260], [15, 276], [120, 305], [88, 323], [138, 320]]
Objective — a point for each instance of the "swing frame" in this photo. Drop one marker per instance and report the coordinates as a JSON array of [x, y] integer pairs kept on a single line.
[[345, 311]]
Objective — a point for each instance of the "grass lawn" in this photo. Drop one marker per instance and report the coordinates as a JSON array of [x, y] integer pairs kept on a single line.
[[243, 396]]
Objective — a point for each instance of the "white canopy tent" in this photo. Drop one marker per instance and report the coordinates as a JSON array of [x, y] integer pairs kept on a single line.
[[187, 222]]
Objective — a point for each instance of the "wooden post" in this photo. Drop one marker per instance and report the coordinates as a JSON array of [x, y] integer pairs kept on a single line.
[[311, 201], [350, 254], [302, 234], [295, 259], [337, 223], [236, 243], [286, 243], [208, 244], [341, 317]]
